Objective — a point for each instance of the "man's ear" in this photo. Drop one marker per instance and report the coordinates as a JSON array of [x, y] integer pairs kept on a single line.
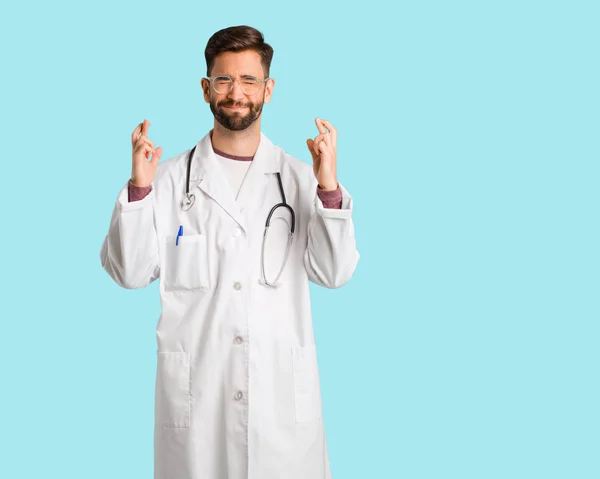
[[205, 90], [269, 89]]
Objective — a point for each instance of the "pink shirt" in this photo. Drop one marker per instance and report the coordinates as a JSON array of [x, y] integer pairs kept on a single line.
[[330, 199]]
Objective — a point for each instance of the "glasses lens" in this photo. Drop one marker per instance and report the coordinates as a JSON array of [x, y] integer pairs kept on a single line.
[[223, 84], [250, 85]]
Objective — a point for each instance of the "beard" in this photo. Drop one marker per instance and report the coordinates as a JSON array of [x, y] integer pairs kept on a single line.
[[233, 120]]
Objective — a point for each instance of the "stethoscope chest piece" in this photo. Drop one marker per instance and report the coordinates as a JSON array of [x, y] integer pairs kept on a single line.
[[188, 201]]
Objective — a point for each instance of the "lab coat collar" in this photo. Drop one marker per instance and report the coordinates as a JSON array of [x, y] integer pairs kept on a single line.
[[208, 175]]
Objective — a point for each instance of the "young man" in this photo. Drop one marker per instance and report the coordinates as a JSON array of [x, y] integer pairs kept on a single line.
[[237, 385]]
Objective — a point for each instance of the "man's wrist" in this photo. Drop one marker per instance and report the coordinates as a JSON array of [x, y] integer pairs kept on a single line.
[[137, 186], [328, 187]]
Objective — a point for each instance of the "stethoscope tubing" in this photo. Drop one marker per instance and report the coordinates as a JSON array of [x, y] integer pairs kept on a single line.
[[190, 199]]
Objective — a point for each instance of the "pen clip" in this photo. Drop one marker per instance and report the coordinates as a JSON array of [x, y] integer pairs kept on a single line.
[[179, 233]]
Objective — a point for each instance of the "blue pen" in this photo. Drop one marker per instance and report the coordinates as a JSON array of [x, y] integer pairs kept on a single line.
[[180, 233]]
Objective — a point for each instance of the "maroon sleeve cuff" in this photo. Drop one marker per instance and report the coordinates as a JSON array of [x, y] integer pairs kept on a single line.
[[330, 199], [137, 193]]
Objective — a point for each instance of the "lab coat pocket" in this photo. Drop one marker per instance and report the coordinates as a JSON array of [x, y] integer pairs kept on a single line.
[[173, 402], [306, 383], [185, 264]]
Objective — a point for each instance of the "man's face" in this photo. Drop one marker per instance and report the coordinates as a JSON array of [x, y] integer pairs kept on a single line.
[[236, 110]]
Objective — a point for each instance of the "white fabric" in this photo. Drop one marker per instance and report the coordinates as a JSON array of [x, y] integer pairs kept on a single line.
[[237, 387], [235, 171]]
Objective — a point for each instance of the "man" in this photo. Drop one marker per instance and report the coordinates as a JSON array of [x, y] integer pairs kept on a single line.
[[237, 385]]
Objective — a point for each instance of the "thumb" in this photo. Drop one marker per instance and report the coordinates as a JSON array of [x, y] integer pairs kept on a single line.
[[156, 155], [310, 143]]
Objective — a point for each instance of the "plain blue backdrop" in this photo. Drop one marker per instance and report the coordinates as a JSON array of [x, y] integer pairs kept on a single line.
[[466, 344]]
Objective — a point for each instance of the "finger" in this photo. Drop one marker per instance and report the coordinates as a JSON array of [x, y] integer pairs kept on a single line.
[[156, 155], [142, 145], [320, 126], [326, 137], [155, 152], [323, 125], [145, 127], [145, 139], [311, 148], [332, 130], [315, 151], [145, 148], [136, 133]]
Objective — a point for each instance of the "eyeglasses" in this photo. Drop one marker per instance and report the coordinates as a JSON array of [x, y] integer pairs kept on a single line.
[[223, 84]]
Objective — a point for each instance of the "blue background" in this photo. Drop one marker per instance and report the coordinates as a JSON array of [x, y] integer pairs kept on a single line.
[[466, 344]]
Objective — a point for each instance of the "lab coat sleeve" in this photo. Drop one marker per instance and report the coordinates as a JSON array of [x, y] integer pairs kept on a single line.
[[129, 252], [331, 255]]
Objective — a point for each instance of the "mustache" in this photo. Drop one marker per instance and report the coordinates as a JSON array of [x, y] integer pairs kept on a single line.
[[233, 103]]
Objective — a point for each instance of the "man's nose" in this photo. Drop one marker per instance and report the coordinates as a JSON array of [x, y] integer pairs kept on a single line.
[[236, 92]]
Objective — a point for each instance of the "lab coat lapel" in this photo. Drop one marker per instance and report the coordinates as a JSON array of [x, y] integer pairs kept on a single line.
[[252, 192], [208, 175]]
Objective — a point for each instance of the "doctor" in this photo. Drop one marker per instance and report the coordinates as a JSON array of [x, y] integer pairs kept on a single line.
[[237, 386]]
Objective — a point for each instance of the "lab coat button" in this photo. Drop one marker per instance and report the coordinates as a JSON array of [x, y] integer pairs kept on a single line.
[[238, 395], [237, 286], [238, 340], [237, 232]]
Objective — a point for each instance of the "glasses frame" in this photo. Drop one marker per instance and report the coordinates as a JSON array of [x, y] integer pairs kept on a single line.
[[233, 80]]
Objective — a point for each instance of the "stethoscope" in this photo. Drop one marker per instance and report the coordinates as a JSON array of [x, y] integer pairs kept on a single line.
[[190, 199]]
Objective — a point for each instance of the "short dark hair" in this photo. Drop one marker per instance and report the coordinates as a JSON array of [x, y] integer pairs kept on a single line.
[[237, 39]]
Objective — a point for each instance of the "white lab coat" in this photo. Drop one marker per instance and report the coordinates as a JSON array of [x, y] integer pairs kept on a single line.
[[237, 387]]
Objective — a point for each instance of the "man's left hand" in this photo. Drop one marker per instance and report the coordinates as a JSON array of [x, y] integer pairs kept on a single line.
[[323, 152]]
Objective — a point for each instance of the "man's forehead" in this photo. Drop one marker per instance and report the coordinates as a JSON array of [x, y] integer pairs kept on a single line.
[[240, 63]]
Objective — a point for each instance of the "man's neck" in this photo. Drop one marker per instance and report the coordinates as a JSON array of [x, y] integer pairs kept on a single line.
[[238, 143]]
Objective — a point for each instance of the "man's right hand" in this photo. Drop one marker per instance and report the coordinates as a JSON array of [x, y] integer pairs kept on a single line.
[[143, 171]]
